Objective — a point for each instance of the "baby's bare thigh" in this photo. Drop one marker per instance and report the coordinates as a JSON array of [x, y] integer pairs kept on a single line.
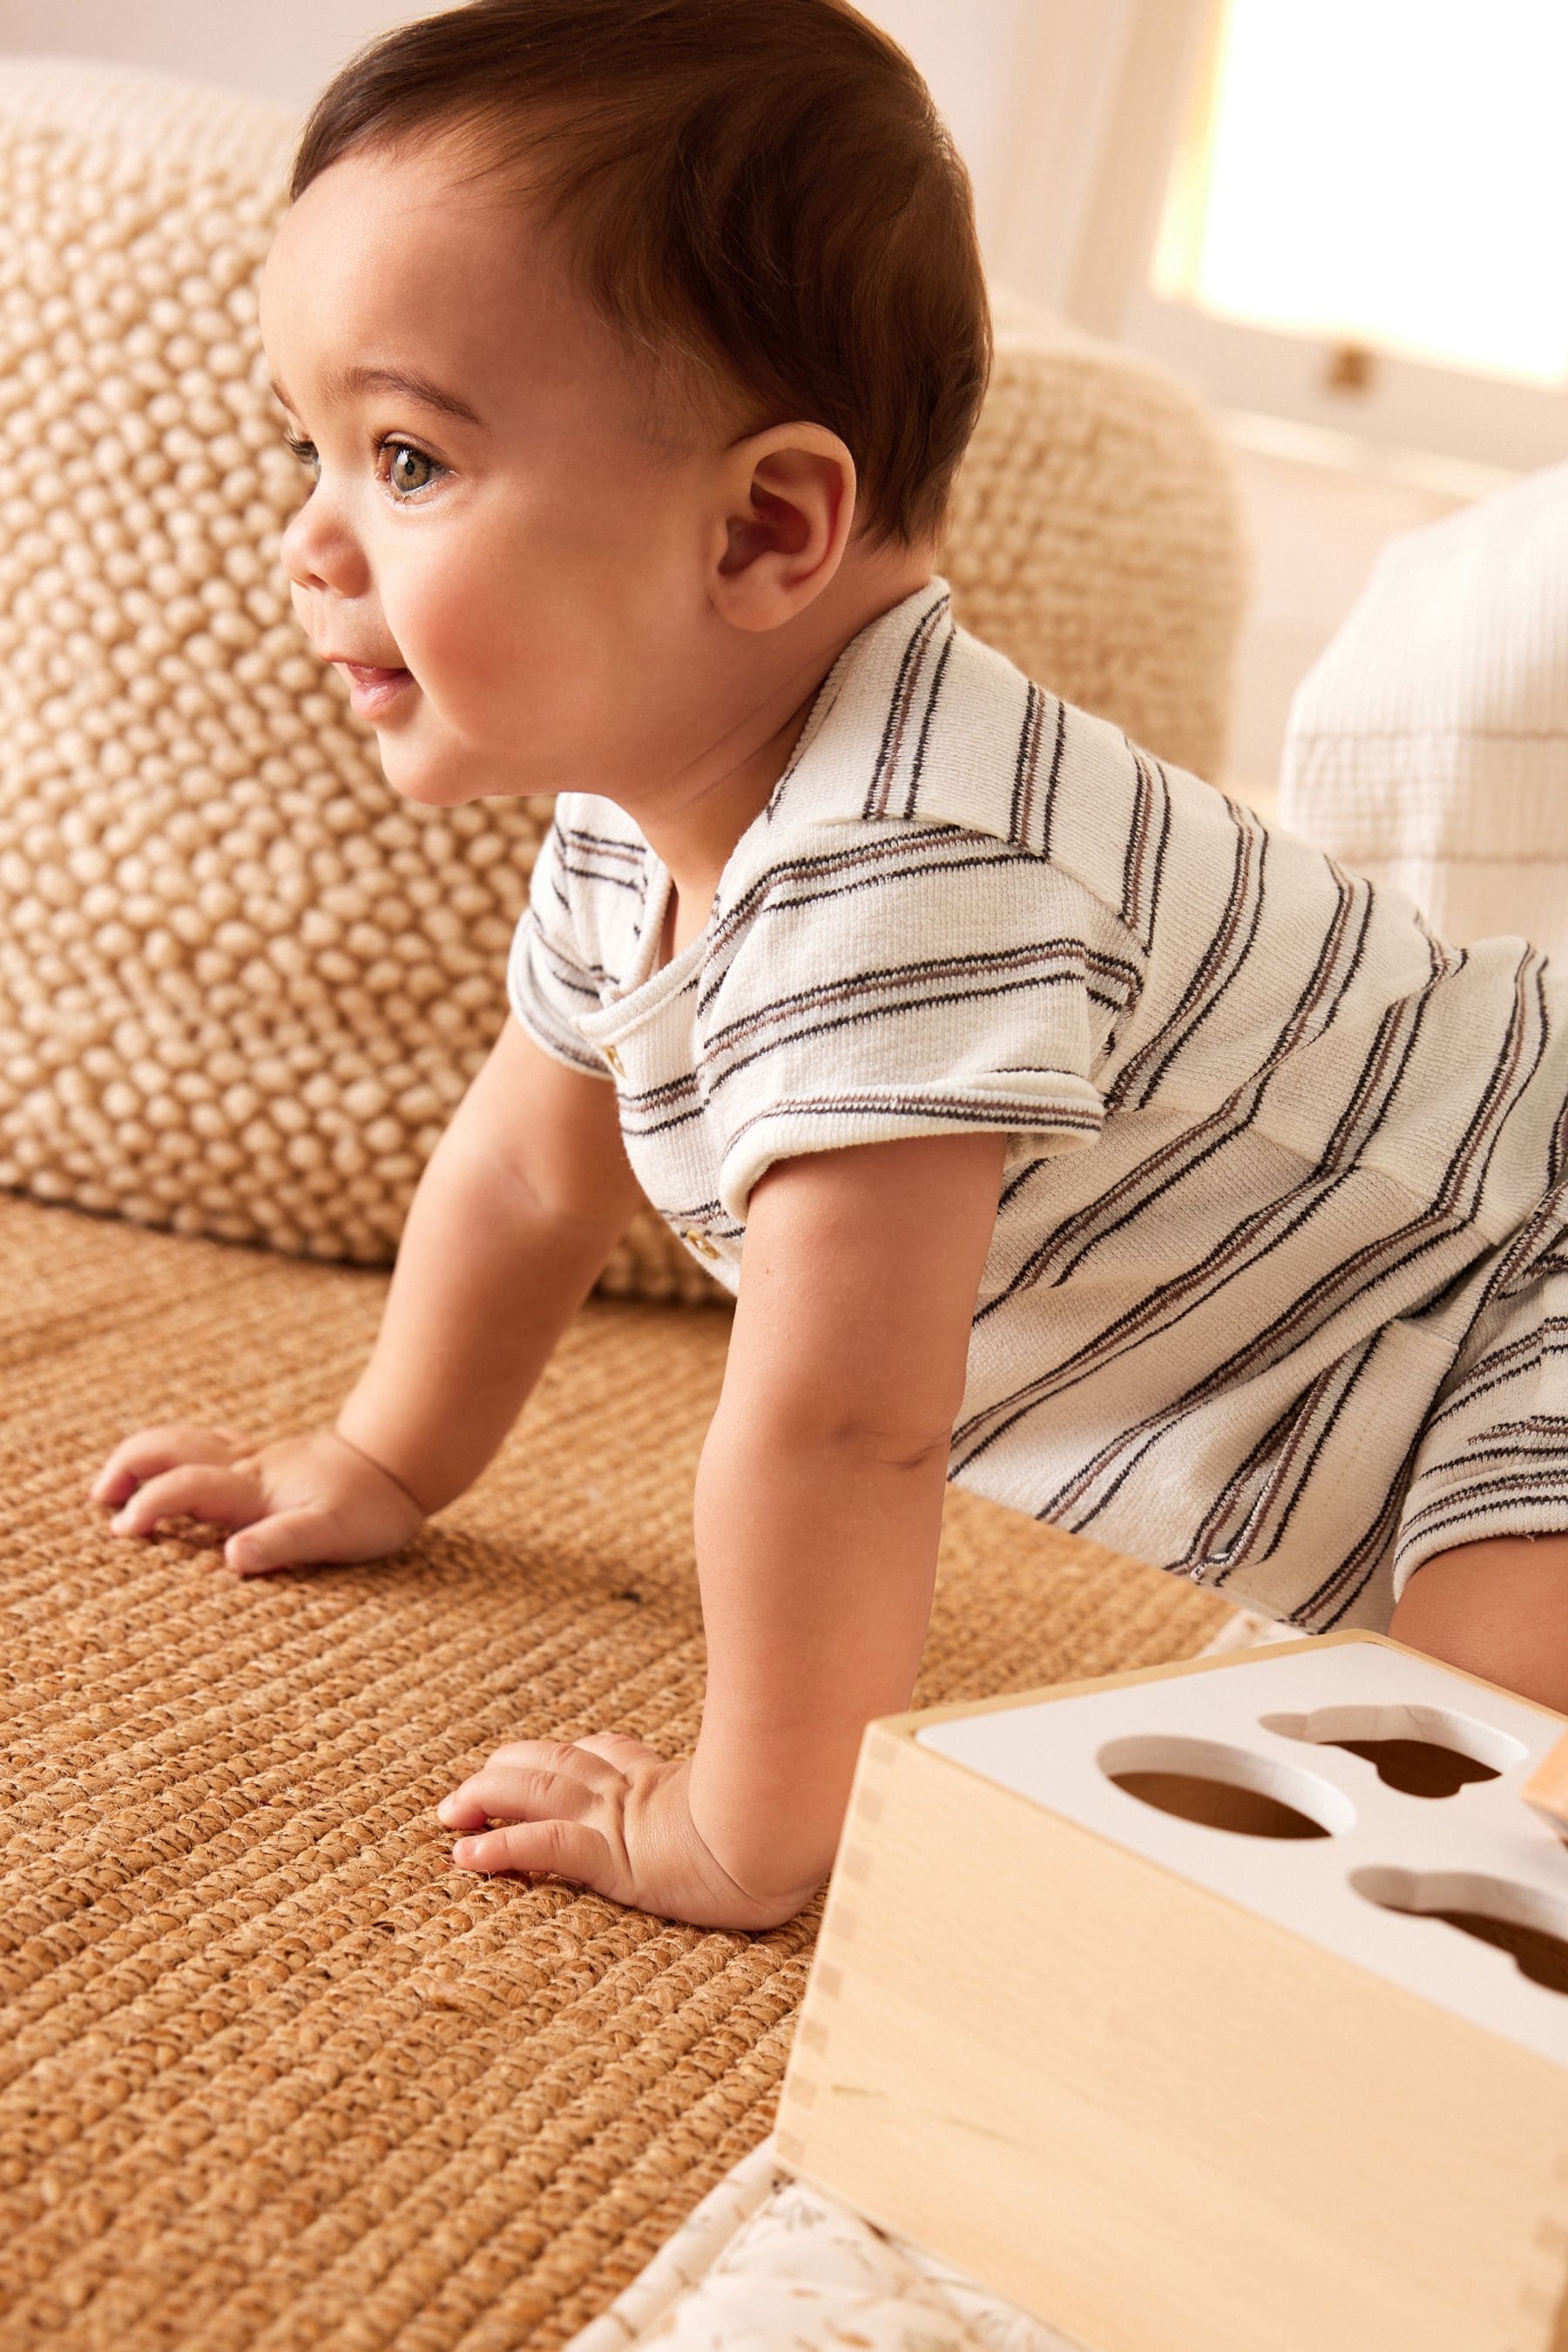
[[1499, 1609]]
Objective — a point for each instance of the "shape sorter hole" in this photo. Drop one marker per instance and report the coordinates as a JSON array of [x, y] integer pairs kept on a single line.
[[1224, 1788], [1516, 1919], [1421, 1751]]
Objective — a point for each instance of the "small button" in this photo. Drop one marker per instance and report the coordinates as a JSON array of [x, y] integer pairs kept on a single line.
[[614, 1060]]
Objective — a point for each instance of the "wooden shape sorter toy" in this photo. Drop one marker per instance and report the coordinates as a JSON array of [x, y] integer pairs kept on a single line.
[[1214, 2008]]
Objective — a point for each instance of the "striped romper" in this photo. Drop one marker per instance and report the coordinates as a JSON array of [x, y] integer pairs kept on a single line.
[[1278, 1292]]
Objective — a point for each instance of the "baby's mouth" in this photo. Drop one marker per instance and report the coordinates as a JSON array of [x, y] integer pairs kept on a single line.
[[371, 673], [372, 689]]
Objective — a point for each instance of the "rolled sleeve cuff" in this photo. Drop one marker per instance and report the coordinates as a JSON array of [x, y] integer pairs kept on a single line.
[[1055, 1110]]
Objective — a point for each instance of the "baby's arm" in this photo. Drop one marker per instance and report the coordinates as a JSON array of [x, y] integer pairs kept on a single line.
[[818, 1507], [519, 1206], [819, 1493]]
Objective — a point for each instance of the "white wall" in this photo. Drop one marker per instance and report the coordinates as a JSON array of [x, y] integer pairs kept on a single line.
[[984, 59], [286, 49], [969, 51], [282, 50]]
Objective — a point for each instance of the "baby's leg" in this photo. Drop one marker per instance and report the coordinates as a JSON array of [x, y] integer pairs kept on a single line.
[[1498, 1609]]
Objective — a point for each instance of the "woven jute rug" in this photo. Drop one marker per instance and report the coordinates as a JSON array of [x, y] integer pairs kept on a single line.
[[277, 2074]]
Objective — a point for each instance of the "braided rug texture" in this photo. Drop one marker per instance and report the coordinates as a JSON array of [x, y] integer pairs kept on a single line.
[[242, 986], [274, 2071]]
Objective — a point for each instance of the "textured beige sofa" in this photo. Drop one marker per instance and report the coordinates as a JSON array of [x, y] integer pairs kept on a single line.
[[274, 2073]]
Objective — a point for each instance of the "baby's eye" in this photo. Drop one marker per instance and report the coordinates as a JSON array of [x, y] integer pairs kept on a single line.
[[402, 470], [304, 450]]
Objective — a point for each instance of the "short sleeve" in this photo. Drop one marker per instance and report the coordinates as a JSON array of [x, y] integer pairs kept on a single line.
[[908, 979], [548, 982]]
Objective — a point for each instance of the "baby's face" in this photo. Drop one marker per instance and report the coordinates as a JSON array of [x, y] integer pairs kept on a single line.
[[492, 520]]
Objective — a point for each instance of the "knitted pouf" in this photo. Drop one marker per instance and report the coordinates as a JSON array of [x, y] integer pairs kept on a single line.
[[242, 985]]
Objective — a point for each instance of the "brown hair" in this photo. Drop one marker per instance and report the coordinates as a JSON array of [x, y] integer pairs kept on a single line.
[[760, 188]]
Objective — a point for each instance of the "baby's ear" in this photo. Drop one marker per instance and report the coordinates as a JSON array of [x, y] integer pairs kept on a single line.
[[787, 508]]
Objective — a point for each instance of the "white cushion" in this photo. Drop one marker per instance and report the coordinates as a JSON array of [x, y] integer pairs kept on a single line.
[[1428, 747]]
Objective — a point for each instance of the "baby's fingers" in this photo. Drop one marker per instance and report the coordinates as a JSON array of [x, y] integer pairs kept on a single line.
[[566, 1849], [302, 1539], [198, 1491], [150, 1451], [529, 1786]]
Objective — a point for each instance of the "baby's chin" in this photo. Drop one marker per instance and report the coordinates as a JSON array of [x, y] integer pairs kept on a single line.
[[455, 778]]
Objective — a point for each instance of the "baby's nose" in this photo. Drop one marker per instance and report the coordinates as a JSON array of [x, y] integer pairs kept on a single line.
[[321, 555]]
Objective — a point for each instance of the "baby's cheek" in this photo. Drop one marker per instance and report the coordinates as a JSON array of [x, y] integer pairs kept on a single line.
[[443, 619]]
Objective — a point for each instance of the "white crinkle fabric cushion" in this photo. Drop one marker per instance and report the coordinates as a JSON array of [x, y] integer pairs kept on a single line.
[[804, 2272], [242, 985], [1428, 747]]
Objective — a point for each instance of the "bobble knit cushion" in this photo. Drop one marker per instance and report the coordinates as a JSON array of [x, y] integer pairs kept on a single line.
[[242, 985], [1097, 538], [1428, 746]]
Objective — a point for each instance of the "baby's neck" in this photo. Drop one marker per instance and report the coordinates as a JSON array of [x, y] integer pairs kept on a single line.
[[697, 846], [693, 827]]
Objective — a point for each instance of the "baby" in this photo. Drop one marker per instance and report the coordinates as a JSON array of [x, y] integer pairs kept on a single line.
[[1058, 1128]]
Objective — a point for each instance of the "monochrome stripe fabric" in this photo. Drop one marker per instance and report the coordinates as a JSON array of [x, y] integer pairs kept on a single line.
[[1280, 1161]]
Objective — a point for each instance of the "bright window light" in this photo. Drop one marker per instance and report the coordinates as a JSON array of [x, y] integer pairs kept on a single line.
[[1385, 171]]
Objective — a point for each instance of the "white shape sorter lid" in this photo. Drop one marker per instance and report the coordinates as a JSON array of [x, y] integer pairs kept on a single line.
[[1425, 1851]]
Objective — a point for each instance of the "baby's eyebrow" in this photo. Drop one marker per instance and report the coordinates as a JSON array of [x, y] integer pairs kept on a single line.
[[344, 381]]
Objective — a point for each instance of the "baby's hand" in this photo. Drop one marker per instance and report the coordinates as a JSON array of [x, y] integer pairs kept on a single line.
[[612, 1815], [309, 1499]]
